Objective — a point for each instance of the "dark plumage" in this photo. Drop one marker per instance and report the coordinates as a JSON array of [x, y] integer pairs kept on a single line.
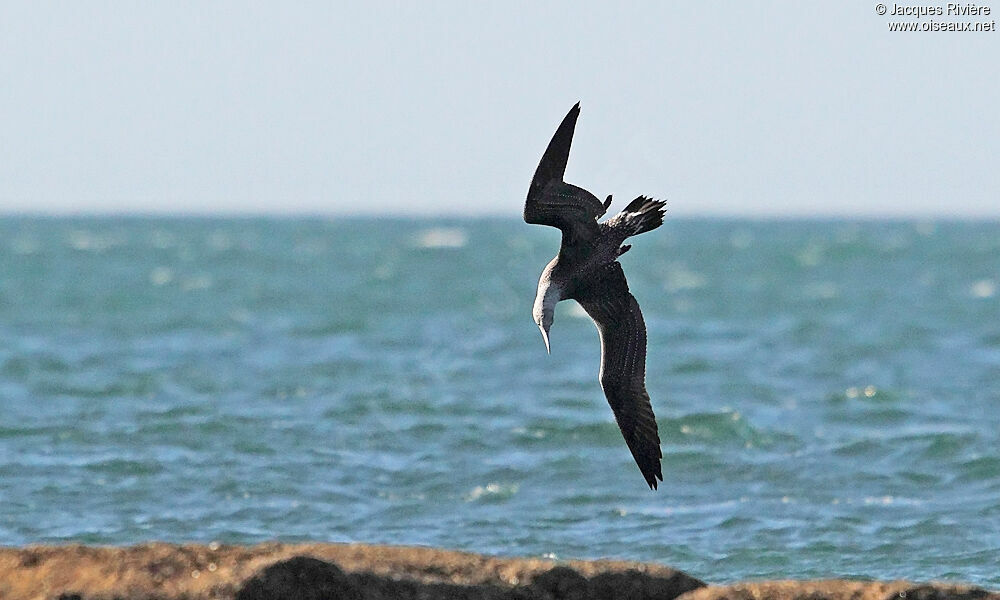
[[587, 270]]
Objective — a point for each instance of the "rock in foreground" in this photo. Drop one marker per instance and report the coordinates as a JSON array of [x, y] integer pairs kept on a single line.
[[316, 571], [357, 571], [838, 589]]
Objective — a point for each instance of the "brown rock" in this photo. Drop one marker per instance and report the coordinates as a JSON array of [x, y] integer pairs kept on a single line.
[[357, 571], [193, 572], [300, 578], [838, 590]]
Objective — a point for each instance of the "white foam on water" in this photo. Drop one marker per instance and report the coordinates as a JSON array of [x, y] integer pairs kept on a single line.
[[811, 255], [984, 288], [441, 237], [89, 241], [161, 276], [741, 239], [491, 490]]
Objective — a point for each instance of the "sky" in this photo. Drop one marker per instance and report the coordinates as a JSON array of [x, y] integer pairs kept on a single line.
[[747, 109]]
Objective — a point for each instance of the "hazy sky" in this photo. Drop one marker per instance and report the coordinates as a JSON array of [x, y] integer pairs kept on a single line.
[[730, 108]]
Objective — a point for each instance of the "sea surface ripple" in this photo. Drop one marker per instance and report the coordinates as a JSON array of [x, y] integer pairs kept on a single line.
[[827, 392]]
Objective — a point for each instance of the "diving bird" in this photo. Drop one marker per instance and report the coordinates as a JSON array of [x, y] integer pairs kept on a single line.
[[587, 270]]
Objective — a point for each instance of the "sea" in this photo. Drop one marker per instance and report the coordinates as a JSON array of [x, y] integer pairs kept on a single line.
[[827, 392]]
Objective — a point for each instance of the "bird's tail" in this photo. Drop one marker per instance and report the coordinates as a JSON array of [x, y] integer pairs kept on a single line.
[[641, 215]]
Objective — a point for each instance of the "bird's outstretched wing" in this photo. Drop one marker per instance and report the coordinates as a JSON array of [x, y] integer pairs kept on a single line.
[[623, 364], [552, 201]]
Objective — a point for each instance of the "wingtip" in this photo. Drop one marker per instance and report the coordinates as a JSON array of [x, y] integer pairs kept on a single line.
[[653, 469], [552, 166]]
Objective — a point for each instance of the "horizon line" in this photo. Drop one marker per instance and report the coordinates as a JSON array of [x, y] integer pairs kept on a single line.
[[460, 216]]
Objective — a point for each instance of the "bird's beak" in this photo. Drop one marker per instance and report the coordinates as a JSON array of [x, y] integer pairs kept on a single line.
[[545, 336]]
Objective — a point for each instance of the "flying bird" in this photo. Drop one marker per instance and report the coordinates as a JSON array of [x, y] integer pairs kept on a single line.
[[587, 270]]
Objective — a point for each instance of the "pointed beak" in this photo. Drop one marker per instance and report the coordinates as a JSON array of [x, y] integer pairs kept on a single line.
[[545, 336]]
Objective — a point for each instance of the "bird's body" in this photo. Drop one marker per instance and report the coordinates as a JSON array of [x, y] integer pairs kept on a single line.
[[587, 270]]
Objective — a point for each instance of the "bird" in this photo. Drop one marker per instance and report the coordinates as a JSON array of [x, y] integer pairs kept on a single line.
[[587, 270]]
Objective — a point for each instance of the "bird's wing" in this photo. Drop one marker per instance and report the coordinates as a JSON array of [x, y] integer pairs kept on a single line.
[[552, 201], [623, 364]]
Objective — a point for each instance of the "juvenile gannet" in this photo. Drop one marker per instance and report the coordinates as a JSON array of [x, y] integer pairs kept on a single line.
[[587, 270]]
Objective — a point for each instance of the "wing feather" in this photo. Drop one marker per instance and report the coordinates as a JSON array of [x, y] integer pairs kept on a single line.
[[623, 365], [552, 201]]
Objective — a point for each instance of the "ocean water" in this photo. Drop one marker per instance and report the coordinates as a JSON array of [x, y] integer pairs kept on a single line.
[[828, 392]]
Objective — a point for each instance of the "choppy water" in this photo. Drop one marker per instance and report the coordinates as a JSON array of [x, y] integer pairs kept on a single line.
[[828, 393]]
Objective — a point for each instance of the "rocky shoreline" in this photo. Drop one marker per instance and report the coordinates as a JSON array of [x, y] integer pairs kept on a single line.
[[159, 571]]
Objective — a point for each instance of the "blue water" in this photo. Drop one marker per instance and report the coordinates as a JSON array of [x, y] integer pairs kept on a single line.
[[828, 392]]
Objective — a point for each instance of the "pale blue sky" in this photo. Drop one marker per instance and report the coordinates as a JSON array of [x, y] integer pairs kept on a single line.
[[731, 108]]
